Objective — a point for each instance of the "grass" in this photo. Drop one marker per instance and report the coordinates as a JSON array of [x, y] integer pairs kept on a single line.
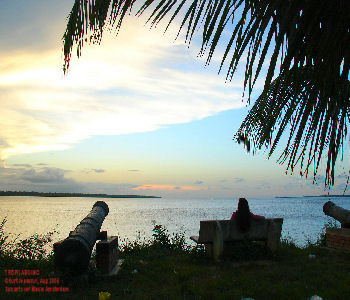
[[166, 267]]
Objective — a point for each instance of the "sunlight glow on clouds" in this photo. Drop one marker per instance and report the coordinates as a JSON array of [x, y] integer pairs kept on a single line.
[[129, 84]]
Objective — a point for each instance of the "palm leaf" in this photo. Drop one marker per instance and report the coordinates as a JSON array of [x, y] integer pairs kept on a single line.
[[316, 121]]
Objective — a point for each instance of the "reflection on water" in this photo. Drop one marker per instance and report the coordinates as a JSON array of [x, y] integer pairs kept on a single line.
[[128, 218]]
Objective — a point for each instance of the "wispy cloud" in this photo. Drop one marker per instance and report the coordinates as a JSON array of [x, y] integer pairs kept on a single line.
[[166, 187], [341, 187], [342, 176], [133, 83], [22, 165], [238, 180], [87, 171]]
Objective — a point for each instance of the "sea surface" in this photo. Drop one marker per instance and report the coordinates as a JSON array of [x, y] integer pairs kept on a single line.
[[133, 218]]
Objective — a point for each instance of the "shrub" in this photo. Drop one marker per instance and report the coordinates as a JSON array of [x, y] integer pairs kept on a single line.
[[321, 240], [175, 242], [4, 244], [161, 243], [33, 248]]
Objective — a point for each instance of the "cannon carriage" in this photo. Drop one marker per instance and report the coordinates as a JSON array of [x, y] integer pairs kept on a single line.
[[338, 238], [72, 255]]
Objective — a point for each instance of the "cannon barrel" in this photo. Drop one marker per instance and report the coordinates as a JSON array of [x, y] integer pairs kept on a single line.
[[73, 253], [340, 214]]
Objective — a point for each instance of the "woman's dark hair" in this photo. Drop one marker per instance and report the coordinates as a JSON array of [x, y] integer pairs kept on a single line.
[[243, 215]]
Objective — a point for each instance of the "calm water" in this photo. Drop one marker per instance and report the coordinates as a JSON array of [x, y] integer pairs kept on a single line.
[[130, 218]]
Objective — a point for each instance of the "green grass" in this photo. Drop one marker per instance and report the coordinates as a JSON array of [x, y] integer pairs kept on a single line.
[[166, 267]]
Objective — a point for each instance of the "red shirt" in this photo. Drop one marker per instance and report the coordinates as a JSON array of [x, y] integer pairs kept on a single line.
[[251, 214]]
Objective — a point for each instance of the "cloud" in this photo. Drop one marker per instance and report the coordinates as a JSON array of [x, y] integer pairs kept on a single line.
[[22, 165], [226, 188], [238, 180], [319, 180], [198, 182], [166, 187], [342, 176], [34, 26], [47, 175], [2, 163], [87, 171], [263, 185], [342, 186], [19, 178], [134, 170], [136, 82], [55, 180], [3, 143]]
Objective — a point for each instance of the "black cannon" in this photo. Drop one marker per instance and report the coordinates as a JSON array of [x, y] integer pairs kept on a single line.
[[73, 253], [340, 214]]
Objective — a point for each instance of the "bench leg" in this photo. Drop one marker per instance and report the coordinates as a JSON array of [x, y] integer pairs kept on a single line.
[[208, 249], [273, 237], [218, 243]]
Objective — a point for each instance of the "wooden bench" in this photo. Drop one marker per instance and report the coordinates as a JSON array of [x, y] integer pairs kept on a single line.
[[214, 234]]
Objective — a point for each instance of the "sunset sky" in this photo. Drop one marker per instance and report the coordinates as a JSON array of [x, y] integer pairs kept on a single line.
[[138, 114]]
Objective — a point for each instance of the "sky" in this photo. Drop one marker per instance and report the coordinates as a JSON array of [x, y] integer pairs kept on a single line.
[[138, 114]]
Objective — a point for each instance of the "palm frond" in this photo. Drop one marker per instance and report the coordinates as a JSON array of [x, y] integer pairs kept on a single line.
[[316, 121]]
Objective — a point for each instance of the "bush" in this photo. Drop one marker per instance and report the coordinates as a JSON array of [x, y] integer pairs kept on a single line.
[[161, 243], [176, 242], [4, 245], [33, 248], [321, 240]]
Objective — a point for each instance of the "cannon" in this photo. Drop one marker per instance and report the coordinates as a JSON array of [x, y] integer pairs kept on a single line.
[[340, 214], [73, 253]]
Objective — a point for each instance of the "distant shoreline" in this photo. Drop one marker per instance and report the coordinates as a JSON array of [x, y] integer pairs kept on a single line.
[[326, 196], [40, 194]]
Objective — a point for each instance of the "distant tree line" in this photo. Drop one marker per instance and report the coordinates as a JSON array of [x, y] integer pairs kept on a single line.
[[50, 194]]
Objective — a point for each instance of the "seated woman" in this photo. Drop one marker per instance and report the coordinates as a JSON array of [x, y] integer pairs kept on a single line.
[[243, 215]]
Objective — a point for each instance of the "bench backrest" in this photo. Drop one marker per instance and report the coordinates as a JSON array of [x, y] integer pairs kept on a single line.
[[259, 230]]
